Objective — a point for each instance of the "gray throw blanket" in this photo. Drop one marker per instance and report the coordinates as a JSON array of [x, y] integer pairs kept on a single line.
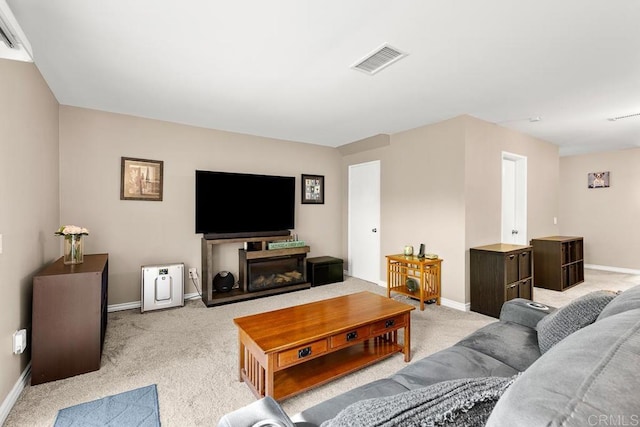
[[462, 402]]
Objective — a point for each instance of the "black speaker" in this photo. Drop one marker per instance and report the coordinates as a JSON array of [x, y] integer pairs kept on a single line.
[[223, 282]]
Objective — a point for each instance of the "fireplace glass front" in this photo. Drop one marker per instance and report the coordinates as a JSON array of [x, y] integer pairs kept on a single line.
[[270, 273]]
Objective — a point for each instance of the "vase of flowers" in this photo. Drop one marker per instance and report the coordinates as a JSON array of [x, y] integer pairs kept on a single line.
[[73, 243]]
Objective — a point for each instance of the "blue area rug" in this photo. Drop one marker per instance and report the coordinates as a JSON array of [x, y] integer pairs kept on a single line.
[[137, 408]]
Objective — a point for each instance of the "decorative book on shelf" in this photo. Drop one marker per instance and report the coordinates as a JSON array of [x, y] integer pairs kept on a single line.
[[286, 244]]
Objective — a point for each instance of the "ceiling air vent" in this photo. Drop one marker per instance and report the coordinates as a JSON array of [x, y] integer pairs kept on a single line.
[[613, 119], [5, 34], [381, 58]]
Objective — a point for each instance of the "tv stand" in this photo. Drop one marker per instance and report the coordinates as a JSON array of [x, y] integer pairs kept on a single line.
[[212, 298]]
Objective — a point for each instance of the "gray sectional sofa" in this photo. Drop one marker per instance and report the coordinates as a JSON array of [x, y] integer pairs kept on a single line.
[[537, 366]]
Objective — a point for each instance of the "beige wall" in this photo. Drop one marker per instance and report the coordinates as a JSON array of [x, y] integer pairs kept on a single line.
[[441, 186], [137, 233], [607, 218], [423, 198], [29, 206], [485, 143]]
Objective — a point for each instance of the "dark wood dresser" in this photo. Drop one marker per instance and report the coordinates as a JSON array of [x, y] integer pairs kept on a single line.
[[499, 273], [69, 318]]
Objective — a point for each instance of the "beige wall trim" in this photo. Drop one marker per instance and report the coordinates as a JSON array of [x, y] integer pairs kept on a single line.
[[444, 301], [14, 394], [137, 304], [613, 269], [124, 306], [455, 304]]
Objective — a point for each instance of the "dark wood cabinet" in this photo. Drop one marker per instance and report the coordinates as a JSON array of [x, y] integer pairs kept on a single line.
[[559, 262], [324, 270], [499, 273], [69, 318]]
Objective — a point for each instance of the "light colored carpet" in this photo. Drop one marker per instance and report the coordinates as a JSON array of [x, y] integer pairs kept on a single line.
[[191, 353]]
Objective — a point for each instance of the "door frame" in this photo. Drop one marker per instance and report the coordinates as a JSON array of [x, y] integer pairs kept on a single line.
[[349, 228], [520, 163]]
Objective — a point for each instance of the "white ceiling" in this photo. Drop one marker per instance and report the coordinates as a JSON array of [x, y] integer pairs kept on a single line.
[[281, 68]]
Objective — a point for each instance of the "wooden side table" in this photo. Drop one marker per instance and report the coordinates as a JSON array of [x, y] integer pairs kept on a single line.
[[425, 271]]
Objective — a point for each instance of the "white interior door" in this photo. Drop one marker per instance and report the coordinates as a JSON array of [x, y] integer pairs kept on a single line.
[[364, 221], [514, 199]]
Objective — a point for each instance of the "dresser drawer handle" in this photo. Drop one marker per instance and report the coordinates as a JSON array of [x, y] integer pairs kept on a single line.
[[389, 323], [513, 286], [511, 256], [304, 352], [352, 335]]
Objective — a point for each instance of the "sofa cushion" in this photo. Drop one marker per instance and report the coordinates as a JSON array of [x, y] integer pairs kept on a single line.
[[627, 300], [590, 378], [576, 315], [512, 344], [451, 363], [459, 402]]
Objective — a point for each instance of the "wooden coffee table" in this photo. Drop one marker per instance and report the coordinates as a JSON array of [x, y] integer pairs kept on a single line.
[[288, 351]]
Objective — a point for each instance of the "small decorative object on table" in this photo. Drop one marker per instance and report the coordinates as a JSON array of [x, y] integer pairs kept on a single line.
[[73, 243], [412, 285], [408, 250]]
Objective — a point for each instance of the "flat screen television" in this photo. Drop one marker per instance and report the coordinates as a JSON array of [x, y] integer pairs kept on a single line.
[[240, 204]]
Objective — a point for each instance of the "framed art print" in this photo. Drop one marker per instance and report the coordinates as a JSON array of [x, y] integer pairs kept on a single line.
[[313, 189], [598, 180], [141, 179]]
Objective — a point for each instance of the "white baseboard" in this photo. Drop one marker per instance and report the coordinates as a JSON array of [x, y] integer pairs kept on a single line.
[[137, 304], [455, 304], [612, 269], [443, 301], [14, 394]]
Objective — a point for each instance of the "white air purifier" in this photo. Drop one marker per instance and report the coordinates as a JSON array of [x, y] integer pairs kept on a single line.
[[162, 286]]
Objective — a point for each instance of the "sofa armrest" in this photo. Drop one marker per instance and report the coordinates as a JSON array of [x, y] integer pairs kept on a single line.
[[524, 312], [265, 412]]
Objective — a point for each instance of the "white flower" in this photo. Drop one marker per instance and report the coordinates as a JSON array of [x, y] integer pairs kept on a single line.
[[66, 230]]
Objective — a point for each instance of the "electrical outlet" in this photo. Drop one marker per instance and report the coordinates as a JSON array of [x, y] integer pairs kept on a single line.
[[19, 341], [193, 273]]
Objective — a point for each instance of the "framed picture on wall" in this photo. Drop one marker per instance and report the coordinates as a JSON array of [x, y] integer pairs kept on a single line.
[[312, 189], [598, 179], [141, 179]]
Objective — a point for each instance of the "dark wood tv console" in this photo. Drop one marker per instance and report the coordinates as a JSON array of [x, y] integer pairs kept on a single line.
[[259, 251]]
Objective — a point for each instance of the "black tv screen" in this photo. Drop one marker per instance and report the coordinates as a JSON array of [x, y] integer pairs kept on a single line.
[[239, 203]]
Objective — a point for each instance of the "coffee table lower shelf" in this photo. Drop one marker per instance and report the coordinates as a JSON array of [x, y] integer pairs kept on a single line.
[[323, 369]]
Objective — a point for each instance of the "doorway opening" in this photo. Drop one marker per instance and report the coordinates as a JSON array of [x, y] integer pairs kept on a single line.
[[514, 198]]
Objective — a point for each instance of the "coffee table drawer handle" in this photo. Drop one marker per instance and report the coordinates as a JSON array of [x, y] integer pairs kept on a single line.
[[304, 352], [352, 335], [389, 323]]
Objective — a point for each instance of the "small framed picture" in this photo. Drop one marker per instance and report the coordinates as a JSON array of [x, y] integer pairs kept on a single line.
[[141, 179], [313, 189], [598, 179]]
